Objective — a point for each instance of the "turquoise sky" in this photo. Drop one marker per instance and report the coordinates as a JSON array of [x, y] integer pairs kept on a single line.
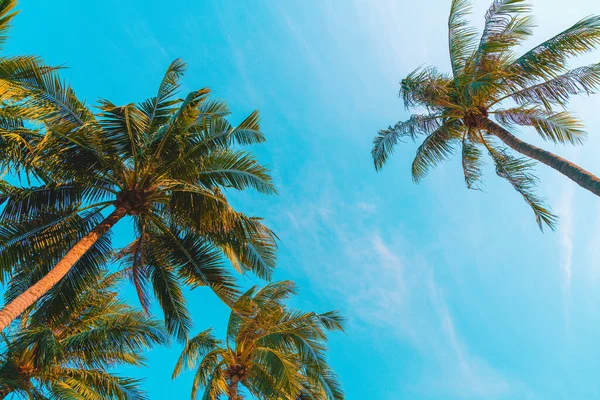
[[449, 293]]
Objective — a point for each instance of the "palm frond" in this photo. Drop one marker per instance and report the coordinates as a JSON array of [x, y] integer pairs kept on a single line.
[[471, 162], [517, 171], [505, 27], [6, 16], [436, 147], [200, 346], [172, 302], [559, 90], [461, 36], [235, 169], [157, 109], [386, 140], [543, 61], [561, 127]]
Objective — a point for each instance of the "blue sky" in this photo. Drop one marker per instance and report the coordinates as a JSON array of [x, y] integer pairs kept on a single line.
[[449, 293]]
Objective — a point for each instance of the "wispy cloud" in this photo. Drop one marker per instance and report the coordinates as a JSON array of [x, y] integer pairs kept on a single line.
[[382, 286]]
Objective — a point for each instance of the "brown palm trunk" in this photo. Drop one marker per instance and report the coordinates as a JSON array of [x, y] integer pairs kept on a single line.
[[31, 295], [233, 388], [580, 176]]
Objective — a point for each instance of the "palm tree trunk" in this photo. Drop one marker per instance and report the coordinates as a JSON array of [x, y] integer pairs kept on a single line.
[[31, 295], [580, 176], [233, 388]]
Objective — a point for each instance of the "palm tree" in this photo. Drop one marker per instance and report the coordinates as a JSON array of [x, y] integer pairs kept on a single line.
[[486, 74], [274, 352], [66, 353], [163, 163]]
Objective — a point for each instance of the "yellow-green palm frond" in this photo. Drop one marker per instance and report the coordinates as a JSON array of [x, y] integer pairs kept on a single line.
[[436, 147], [548, 59], [558, 127], [506, 26], [471, 161], [517, 171], [461, 36]]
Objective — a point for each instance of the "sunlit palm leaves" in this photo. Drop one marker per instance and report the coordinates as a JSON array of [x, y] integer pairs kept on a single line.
[[485, 72], [67, 352], [271, 350], [169, 162], [20, 79]]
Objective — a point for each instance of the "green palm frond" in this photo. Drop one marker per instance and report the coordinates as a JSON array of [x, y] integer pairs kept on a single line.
[[332, 321], [171, 300], [561, 127], [163, 144], [426, 87], [471, 162], [195, 348], [98, 385], [517, 171], [158, 109], [559, 90], [235, 169], [505, 27], [550, 57], [6, 16], [461, 36], [386, 140], [436, 147], [124, 127]]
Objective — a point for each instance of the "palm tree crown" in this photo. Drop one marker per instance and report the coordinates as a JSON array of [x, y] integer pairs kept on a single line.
[[165, 164], [486, 73], [274, 352], [66, 353]]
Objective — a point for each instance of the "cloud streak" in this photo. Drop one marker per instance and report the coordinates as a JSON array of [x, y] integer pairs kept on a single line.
[[382, 287]]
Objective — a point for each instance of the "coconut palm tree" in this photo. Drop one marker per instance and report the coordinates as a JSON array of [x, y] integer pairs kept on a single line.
[[271, 350], [489, 79], [162, 165], [67, 353]]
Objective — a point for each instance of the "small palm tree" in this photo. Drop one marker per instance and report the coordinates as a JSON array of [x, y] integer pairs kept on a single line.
[[163, 163], [486, 74], [274, 352], [66, 353]]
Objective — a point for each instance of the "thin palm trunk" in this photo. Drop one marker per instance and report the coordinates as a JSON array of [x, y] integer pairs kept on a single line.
[[31, 295], [233, 388], [580, 176]]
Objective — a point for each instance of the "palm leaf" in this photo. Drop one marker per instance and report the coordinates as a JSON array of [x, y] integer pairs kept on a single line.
[[436, 148], [517, 172]]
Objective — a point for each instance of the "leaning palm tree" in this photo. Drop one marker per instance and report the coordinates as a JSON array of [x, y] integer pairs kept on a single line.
[[163, 165], [68, 353], [489, 79], [272, 351]]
